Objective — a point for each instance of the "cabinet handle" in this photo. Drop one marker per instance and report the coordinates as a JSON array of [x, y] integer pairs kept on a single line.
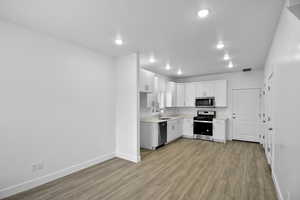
[[270, 129]]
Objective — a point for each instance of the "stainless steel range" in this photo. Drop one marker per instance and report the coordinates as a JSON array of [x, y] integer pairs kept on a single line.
[[203, 125]]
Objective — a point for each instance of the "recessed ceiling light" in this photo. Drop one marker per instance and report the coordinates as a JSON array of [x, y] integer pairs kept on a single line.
[[203, 13], [226, 57], [179, 72], [230, 65], [168, 67], [152, 59], [118, 41], [220, 45]]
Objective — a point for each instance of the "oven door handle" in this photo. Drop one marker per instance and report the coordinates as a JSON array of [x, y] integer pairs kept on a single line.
[[198, 121]]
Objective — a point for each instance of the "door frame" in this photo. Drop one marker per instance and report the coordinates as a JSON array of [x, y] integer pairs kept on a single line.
[[260, 110]]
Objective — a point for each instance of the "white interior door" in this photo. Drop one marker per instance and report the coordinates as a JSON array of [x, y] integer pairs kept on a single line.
[[246, 110]]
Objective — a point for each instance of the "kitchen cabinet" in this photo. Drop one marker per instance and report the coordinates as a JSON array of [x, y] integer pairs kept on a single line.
[[188, 127], [149, 135], [179, 128], [205, 89], [146, 81], [220, 93], [171, 94], [146, 100], [175, 127], [219, 130], [161, 84], [172, 127], [190, 94], [180, 94]]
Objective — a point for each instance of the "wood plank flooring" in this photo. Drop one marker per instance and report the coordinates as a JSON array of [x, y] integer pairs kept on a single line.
[[185, 170]]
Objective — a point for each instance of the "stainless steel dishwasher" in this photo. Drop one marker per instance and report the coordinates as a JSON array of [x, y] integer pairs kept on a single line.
[[162, 133]]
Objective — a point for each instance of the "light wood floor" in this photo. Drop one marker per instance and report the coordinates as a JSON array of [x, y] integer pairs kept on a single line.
[[185, 169]]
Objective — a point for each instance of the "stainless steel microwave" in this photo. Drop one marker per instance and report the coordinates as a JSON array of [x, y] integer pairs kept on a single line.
[[206, 102]]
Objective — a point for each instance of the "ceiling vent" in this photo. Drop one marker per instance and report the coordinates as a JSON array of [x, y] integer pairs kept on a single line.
[[294, 7], [247, 69]]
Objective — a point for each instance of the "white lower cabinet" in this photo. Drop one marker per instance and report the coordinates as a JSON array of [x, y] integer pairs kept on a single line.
[[174, 130], [219, 130], [171, 130], [149, 135], [188, 127], [179, 128]]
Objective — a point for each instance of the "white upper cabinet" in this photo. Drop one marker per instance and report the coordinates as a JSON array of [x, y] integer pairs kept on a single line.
[[162, 82], [221, 93], [171, 94], [217, 89], [146, 81], [180, 96], [190, 94], [205, 89]]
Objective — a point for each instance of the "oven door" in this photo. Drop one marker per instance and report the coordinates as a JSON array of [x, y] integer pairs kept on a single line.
[[203, 127]]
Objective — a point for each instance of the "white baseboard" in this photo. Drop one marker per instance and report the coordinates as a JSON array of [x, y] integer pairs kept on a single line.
[[9, 191], [219, 140], [132, 158], [188, 136], [278, 191]]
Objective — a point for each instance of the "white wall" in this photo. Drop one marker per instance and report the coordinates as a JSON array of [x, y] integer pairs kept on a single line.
[[57, 106], [236, 80], [127, 108], [284, 61]]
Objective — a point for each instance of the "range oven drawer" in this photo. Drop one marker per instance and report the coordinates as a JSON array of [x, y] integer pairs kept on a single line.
[[203, 128]]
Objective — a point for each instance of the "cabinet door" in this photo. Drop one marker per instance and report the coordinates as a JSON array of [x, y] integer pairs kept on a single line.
[[199, 88], [171, 94], [190, 94], [179, 127], [162, 84], [146, 80], [205, 89], [188, 127], [171, 130], [221, 93], [209, 89], [219, 130], [180, 95]]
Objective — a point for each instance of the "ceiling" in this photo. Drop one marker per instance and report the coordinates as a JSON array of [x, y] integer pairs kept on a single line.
[[168, 29]]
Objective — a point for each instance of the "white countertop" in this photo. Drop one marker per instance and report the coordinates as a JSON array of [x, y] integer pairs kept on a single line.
[[156, 119]]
